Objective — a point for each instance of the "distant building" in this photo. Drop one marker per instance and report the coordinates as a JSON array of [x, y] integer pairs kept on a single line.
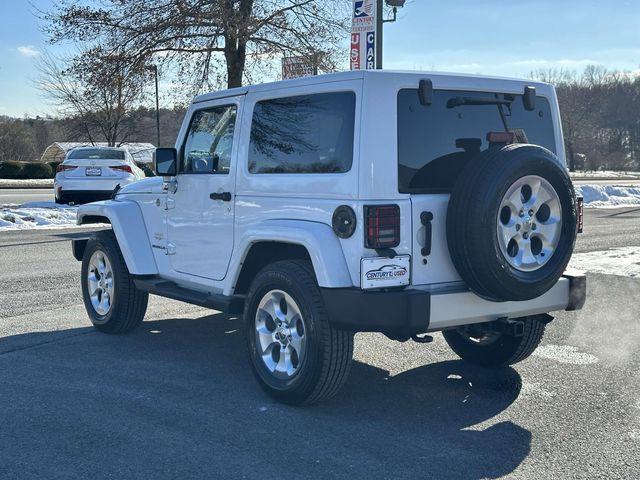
[[141, 152]]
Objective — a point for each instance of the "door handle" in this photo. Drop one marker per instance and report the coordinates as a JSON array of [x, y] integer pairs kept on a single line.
[[425, 219], [224, 196]]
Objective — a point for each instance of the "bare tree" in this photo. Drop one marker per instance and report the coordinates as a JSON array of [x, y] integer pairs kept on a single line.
[[16, 141], [599, 110], [205, 41], [99, 92]]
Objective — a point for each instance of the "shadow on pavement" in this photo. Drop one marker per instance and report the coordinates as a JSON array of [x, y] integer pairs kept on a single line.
[[176, 399]]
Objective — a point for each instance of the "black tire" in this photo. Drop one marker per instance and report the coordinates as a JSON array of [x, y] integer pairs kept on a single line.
[[472, 218], [329, 351], [129, 304], [503, 350], [61, 200]]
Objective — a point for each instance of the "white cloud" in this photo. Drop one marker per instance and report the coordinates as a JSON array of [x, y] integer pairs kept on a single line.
[[506, 64], [28, 50]]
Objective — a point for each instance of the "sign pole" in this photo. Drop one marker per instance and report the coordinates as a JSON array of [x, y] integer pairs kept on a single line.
[[379, 28]]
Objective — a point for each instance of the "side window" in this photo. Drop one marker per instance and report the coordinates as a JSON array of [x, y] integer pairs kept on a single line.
[[207, 148], [303, 134]]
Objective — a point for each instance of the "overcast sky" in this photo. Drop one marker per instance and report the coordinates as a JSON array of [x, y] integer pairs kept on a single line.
[[498, 37]]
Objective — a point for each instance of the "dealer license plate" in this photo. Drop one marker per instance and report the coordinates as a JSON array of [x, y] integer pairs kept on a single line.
[[380, 272], [93, 171]]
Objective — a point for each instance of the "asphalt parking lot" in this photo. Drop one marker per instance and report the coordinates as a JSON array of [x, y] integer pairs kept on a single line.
[[176, 399]]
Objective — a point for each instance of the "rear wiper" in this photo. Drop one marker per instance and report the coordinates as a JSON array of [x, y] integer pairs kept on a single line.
[[459, 101], [499, 102]]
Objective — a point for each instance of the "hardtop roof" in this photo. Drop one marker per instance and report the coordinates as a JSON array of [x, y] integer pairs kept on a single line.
[[441, 77]]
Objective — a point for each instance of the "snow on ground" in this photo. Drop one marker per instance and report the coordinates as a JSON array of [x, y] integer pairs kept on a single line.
[[623, 261], [607, 196], [29, 183], [36, 215]]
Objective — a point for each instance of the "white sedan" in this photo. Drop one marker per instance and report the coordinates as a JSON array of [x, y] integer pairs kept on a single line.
[[92, 173]]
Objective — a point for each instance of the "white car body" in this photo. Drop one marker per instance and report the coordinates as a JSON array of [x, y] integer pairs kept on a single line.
[[171, 229], [83, 175]]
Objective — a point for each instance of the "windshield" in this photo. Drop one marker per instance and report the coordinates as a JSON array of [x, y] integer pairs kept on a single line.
[[436, 142], [96, 154]]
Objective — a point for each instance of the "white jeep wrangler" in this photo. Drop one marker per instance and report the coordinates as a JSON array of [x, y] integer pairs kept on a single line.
[[401, 203]]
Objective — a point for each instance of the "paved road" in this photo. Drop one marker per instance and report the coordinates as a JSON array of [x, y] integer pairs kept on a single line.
[[23, 195], [609, 228], [46, 195], [175, 399], [608, 181]]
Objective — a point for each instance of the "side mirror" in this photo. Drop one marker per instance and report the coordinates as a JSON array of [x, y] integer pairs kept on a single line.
[[529, 98], [425, 92], [165, 162]]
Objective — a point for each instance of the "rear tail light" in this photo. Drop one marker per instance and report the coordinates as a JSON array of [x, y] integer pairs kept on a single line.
[[382, 226], [580, 212], [64, 168], [122, 168], [501, 137]]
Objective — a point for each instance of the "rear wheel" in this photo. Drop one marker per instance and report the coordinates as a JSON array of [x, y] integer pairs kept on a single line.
[[295, 354], [487, 348], [111, 299]]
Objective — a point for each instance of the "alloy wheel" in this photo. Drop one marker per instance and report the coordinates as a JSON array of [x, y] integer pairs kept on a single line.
[[100, 282], [280, 334], [529, 223]]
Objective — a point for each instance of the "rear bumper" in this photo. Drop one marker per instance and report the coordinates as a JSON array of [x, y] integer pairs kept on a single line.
[[84, 196], [410, 311], [93, 186]]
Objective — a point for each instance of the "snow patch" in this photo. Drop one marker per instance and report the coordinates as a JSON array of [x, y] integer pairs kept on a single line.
[[622, 261], [565, 354], [608, 196], [37, 215]]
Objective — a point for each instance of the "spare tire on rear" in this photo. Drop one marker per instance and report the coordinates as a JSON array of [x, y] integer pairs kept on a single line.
[[511, 222]]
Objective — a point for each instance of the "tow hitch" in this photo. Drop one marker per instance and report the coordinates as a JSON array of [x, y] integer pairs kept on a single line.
[[507, 326], [504, 326], [513, 328]]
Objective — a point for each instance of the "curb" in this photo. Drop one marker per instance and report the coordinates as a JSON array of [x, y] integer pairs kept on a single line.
[[25, 186]]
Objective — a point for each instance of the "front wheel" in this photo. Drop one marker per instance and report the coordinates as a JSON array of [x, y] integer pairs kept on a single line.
[[488, 348], [111, 299], [296, 355]]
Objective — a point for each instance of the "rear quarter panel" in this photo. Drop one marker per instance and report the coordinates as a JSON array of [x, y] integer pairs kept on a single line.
[[303, 197]]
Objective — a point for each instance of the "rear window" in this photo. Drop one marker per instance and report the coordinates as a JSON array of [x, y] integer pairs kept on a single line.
[[96, 154], [436, 142], [303, 134]]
